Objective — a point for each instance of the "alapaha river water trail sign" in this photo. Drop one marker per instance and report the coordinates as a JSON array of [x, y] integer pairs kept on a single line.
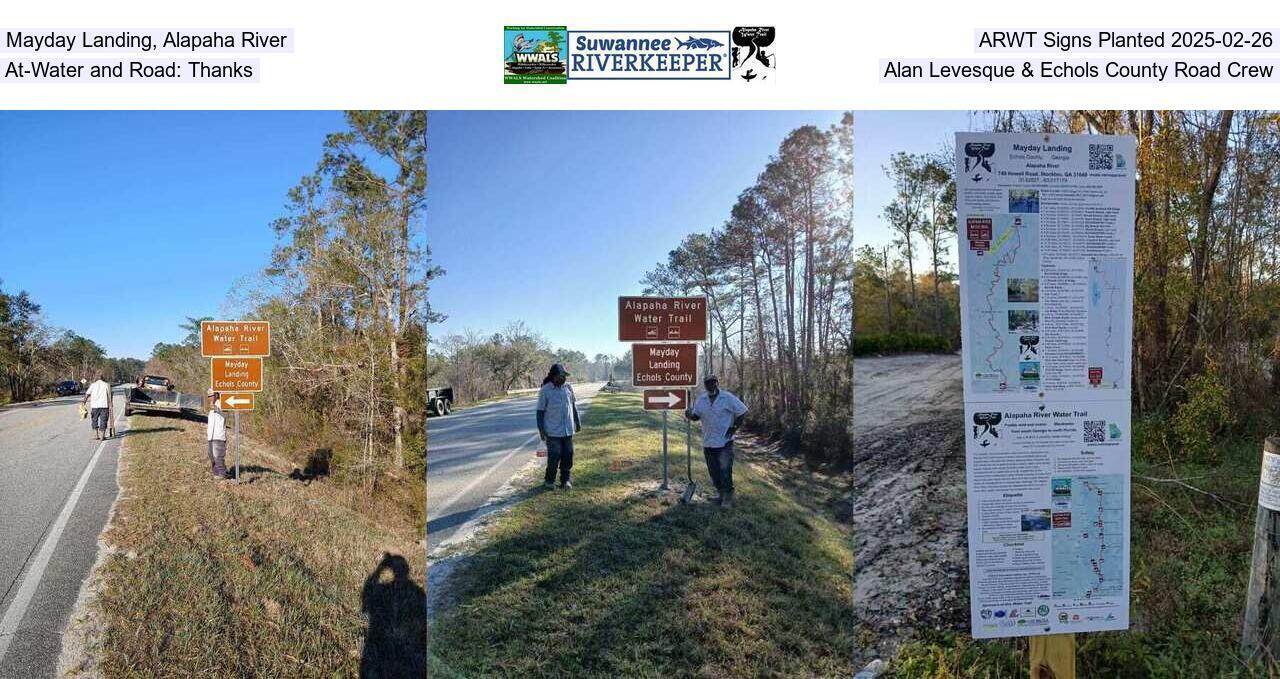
[[1046, 302], [236, 350]]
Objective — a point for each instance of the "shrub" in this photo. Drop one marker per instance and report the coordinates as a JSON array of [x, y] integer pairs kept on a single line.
[[900, 343], [1203, 415]]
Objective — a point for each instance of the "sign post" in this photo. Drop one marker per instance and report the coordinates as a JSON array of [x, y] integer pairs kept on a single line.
[[662, 356], [664, 450], [1046, 306], [235, 350]]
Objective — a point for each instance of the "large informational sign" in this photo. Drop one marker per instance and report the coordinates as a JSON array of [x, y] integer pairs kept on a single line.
[[1046, 289], [662, 319]]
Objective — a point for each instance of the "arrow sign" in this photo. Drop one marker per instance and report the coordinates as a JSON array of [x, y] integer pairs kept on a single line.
[[236, 401], [665, 399]]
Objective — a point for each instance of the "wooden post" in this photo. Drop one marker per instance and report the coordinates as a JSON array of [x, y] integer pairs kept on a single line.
[[1053, 656], [1262, 607]]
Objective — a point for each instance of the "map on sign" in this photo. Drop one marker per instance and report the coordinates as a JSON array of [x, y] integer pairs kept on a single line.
[[1088, 536], [1003, 296], [1108, 322]]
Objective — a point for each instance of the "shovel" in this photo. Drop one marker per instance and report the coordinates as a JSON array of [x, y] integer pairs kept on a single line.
[[691, 487]]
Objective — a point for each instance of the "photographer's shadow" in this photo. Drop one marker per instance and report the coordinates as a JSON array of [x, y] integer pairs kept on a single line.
[[396, 643]]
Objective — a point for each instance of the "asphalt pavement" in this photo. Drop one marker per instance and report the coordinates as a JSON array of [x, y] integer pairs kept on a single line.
[[57, 485], [474, 452]]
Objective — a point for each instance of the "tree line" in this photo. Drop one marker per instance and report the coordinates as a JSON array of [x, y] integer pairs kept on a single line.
[[897, 303], [35, 356], [345, 293], [776, 275], [479, 366]]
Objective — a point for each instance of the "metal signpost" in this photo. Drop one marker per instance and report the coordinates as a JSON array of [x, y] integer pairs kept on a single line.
[[235, 350], [663, 355]]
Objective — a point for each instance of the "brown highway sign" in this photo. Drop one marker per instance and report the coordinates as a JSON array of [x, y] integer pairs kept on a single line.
[[235, 338], [662, 319], [235, 374], [666, 399], [664, 365], [236, 401]]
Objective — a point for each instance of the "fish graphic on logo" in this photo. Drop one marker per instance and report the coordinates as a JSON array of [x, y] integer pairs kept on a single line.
[[698, 43]]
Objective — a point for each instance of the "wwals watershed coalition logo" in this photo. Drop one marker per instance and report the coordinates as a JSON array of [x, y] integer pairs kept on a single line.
[[552, 54], [533, 54]]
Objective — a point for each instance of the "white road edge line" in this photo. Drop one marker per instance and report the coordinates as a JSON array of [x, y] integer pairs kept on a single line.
[[30, 581], [443, 510]]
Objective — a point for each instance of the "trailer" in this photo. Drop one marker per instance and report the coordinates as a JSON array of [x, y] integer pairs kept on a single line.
[[440, 401], [155, 393]]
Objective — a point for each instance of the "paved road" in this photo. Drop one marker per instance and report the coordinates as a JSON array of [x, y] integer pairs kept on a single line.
[[473, 452], [56, 489]]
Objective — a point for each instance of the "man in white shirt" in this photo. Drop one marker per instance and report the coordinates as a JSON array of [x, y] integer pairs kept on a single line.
[[557, 422], [98, 398], [216, 433], [721, 414]]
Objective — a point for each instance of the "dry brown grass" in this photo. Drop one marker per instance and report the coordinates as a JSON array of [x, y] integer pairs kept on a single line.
[[270, 577]]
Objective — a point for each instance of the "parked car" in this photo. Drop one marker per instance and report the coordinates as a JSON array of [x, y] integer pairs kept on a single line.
[[67, 388]]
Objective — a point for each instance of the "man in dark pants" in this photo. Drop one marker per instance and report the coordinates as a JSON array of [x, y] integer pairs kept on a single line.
[[721, 414], [557, 423], [98, 398]]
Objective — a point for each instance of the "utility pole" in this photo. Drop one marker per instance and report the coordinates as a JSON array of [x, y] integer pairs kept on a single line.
[[1262, 607]]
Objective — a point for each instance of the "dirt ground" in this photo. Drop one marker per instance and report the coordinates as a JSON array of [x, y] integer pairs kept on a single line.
[[909, 499]]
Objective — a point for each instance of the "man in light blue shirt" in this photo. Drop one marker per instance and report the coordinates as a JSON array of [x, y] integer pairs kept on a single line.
[[557, 423], [721, 414]]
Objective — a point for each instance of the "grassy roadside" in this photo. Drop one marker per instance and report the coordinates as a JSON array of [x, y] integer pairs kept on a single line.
[[1190, 572], [273, 577], [611, 579]]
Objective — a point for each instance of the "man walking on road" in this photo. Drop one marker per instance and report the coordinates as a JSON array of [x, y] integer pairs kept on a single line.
[[98, 397], [557, 422], [721, 413], [216, 432]]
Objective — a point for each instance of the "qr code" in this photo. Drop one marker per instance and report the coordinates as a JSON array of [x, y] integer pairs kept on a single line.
[[1095, 431], [1102, 156]]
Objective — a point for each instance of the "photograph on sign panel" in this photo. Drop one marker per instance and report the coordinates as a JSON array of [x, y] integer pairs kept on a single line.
[[212, 336], [584, 469], [1064, 366]]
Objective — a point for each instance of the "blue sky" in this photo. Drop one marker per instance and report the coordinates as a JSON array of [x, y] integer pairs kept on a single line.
[[88, 200], [878, 135], [548, 217]]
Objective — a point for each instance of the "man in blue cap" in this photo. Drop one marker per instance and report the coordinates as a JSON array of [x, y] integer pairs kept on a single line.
[[557, 423]]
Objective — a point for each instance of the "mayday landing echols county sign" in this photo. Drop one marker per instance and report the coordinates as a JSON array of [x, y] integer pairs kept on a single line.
[[666, 399], [236, 374], [664, 365], [662, 319], [235, 338]]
